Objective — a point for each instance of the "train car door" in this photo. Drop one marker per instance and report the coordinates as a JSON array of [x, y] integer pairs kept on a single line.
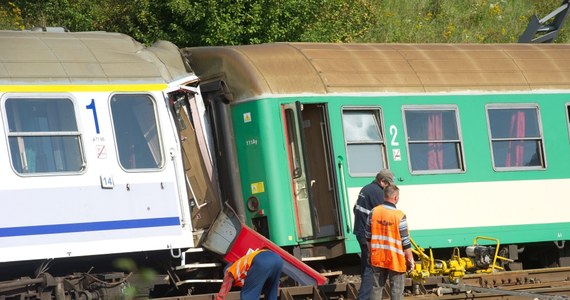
[[312, 170], [202, 190]]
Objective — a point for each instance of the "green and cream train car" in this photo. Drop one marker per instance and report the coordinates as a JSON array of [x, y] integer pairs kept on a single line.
[[477, 136]]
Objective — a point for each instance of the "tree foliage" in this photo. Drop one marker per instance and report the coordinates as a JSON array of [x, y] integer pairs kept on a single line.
[[207, 22], [234, 22], [10, 16]]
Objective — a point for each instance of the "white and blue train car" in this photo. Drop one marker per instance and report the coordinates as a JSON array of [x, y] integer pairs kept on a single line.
[[90, 155]]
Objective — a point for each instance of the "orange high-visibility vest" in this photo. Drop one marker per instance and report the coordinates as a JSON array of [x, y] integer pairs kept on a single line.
[[386, 243], [240, 267]]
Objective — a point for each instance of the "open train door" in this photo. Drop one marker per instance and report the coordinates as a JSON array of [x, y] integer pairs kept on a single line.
[[200, 180], [312, 170]]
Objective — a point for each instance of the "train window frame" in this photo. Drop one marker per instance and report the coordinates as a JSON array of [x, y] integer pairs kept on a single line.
[[541, 151], [459, 151], [294, 147], [64, 144], [567, 105], [152, 149], [377, 113]]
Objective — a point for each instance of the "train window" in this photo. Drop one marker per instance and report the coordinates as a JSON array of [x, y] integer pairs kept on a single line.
[[364, 141], [43, 136], [516, 139], [136, 131], [433, 140]]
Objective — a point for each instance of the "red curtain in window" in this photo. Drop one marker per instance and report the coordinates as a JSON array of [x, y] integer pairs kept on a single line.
[[515, 150], [435, 133]]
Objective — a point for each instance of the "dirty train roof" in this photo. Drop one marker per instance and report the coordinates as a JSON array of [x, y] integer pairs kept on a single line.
[[296, 68], [30, 57]]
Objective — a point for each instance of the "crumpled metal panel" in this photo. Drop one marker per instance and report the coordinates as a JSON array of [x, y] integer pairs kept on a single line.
[[298, 68]]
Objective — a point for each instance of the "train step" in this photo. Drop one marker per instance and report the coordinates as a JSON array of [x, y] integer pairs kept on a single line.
[[198, 267]]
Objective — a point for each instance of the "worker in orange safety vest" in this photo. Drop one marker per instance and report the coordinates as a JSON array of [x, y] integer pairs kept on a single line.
[[389, 244], [256, 272]]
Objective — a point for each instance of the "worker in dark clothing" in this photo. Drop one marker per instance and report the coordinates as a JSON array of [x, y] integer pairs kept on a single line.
[[370, 196], [256, 272]]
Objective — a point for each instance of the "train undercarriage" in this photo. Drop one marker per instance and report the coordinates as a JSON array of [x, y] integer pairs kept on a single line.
[[156, 275]]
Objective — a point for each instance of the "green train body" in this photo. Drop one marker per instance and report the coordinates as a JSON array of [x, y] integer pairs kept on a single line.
[[477, 136]]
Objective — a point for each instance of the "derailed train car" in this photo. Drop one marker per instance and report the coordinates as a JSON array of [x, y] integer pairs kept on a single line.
[[99, 162], [114, 151], [477, 136]]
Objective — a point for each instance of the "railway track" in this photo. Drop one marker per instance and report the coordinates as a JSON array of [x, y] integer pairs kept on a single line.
[[548, 284]]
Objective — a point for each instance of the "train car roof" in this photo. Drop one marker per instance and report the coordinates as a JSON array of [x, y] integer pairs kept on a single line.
[[31, 57], [297, 68]]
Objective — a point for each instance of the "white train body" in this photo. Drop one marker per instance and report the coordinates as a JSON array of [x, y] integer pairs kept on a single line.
[[90, 159]]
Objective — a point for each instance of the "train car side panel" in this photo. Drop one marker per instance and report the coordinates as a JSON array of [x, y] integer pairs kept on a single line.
[[104, 202], [259, 140]]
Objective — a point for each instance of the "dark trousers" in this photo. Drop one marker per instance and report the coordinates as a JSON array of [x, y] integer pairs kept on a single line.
[[397, 283], [263, 277], [367, 280]]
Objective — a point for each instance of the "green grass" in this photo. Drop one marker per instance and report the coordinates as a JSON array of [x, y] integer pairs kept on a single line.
[[455, 21]]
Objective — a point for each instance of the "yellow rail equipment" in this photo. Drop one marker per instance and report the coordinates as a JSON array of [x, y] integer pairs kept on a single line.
[[479, 259]]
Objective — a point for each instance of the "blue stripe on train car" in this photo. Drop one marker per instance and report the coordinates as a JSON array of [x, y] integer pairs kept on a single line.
[[90, 226]]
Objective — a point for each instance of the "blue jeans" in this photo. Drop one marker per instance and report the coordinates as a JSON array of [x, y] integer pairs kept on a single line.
[[397, 282], [367, 280], [263, 277]]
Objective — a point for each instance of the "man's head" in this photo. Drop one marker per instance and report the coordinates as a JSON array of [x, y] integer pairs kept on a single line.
[[391, 194], [385, 178]]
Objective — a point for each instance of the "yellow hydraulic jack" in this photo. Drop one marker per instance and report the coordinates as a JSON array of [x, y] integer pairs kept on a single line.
[[479, 259]]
